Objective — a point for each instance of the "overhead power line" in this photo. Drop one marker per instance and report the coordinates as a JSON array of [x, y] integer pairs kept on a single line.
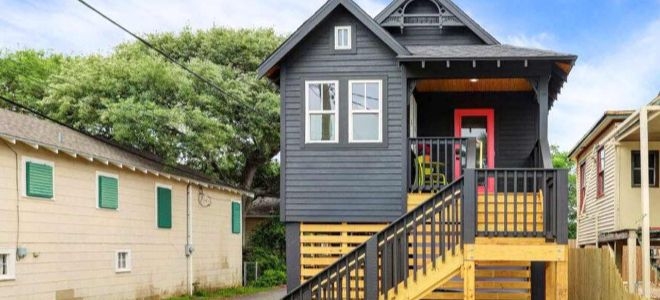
[[166, 55]]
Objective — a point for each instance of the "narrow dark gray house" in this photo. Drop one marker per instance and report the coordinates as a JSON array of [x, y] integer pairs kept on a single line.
[[415, 149]]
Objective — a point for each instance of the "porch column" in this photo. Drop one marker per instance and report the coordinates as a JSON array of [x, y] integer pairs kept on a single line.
[[542, 96], [644, 160], [632, 261]]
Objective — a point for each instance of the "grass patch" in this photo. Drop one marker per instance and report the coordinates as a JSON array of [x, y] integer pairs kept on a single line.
[[223, 293]]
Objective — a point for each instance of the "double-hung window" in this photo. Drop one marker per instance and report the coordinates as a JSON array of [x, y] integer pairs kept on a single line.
[[365, 120], [123, 261], [601, 172], [583, 186], [637, 169], [321, 112], [343, 38]]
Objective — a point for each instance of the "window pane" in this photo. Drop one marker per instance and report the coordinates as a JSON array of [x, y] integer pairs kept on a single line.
[[3, 264], [322, 127], [328, 96], [636, 161], [344, 37], [357, 96], [365, 127], [314, 96], [637, 177], [373, 96]]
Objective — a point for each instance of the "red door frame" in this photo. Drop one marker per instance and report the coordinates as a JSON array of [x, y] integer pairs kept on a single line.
[[489, 113]]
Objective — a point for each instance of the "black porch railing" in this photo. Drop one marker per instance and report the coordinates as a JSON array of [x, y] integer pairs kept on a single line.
[[482, 203], [519, 203], [433, 162]]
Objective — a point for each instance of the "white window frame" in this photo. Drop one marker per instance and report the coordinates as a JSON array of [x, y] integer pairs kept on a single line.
[[309, 113], [351, 112], [129, 261], [111, 175], [349, 36], [11, 264], [165, 186], [24, 161]]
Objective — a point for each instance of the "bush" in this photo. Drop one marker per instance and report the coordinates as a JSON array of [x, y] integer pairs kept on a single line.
[[270, 278]]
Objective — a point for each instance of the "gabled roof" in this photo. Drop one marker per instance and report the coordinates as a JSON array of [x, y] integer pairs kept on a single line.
[[47, 135], [271, 62], [451, 7], [471, 52], [601, 125]]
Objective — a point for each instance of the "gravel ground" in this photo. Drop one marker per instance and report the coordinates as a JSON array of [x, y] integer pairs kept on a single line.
[[274, 294]]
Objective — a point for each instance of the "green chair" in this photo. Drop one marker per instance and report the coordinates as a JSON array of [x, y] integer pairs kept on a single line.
[[430, 173]]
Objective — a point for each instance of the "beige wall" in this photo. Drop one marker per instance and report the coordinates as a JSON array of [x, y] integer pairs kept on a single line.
[[71, 244], [598, 214], [629, 200]]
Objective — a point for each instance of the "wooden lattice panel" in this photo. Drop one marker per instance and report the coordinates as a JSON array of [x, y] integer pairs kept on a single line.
[[322, 244]]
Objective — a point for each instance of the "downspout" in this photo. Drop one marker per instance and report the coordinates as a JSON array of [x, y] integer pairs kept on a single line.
[[189, 248]]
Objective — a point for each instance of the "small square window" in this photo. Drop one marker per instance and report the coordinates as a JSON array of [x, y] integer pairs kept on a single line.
[[7, 264], [343, 38], [123, 261]]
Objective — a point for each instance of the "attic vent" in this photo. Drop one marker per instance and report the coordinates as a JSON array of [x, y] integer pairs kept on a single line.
[[418, 13]]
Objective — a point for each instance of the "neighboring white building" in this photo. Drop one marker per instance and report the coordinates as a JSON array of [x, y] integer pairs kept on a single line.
[[82, 218]]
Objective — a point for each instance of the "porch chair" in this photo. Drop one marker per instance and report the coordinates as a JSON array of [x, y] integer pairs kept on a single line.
[[430, 173]]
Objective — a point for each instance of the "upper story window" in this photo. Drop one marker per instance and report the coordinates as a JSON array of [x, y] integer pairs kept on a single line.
[[583, 185], [107, 190], [321, 113], [365, 118], [343, 38], [601, 172], [636, 166]]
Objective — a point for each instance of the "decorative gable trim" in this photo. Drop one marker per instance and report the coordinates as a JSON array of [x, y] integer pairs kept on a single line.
[[449, 15], [269, 65]]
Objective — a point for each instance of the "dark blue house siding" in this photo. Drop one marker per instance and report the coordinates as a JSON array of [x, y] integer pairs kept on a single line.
[[342, 182]]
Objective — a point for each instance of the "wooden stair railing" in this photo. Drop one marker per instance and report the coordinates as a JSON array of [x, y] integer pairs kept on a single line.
[[411, 256]]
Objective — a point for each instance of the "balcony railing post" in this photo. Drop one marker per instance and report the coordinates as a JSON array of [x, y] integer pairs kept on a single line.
[[371, 269], [469, 219], [561, 217], [471, 155]]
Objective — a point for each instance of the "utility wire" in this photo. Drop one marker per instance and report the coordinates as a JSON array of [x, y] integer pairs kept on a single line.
[[167, 56], [132, 150]]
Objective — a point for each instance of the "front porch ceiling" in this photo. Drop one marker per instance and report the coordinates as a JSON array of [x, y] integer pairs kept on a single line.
[[632, 135], [474, 85]]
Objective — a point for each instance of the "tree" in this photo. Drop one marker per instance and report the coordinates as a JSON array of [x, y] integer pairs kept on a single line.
[[137, 98], [561, 160]]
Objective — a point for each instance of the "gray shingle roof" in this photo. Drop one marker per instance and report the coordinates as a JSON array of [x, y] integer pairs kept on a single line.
[[483, 52], [46, 134]]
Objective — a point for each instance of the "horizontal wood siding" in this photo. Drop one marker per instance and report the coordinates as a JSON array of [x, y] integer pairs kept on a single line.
[[434, 36], [342, 182], [598, 214], [516, 121], [71, 243]]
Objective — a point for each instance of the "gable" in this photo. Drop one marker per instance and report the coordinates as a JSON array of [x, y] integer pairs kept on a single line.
[[441, 20], [270, 67]]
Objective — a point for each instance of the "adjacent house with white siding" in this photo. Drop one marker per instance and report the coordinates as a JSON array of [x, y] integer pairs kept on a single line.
[[83, 218], [617, 205]]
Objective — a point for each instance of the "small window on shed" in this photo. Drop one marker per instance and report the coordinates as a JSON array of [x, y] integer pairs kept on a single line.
[[343, 38]]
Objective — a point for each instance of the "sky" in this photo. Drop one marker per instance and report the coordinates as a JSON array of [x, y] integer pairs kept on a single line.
[[617, 41]]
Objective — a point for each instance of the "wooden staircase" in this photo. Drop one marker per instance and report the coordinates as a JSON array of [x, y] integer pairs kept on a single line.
[[468, 241]]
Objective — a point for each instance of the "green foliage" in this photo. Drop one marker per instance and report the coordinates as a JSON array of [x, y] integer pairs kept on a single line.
[[271, 278], [561, 160], [137, 98], [267, 247], [23, 74], [223, 293]]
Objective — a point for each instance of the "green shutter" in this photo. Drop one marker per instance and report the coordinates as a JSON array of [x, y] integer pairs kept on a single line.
[[39, 180], [164, 198], [235, 217], [108, 192]]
